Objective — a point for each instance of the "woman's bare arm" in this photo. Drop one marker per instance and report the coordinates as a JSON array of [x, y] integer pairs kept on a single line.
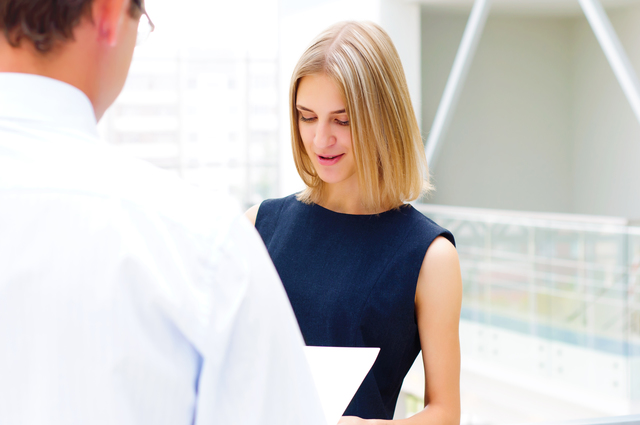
[[438, 303]]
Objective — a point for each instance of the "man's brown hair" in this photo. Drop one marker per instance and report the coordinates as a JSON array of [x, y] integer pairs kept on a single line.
[[44, 22]]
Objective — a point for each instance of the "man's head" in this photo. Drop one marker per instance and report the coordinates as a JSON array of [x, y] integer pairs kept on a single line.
[[86, 43]]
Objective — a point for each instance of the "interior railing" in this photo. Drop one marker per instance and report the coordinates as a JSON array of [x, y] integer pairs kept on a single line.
[[572, 279]]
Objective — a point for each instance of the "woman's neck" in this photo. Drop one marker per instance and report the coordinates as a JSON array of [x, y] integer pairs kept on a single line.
[[346, 199]]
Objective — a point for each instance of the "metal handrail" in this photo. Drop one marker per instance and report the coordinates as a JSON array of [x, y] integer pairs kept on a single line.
[[531, 218], [603, 281]]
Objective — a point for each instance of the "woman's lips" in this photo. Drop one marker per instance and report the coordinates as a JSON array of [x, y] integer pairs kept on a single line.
[[329, 160]]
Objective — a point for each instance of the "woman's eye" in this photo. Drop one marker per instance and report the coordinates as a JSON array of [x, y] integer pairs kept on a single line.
[[342, 122], [305, 119]]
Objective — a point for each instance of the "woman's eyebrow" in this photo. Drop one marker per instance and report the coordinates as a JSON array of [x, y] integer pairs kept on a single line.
[[339, 111]]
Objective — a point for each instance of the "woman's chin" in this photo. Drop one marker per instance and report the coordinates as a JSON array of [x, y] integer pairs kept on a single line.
[[330, 179]]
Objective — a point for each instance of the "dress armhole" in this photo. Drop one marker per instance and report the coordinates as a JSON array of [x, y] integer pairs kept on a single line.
[[267, 218]]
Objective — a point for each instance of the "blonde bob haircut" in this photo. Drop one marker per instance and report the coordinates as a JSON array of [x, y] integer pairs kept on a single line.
[[360, 58]]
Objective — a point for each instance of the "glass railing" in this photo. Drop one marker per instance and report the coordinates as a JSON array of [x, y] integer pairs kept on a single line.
[[567, 285]]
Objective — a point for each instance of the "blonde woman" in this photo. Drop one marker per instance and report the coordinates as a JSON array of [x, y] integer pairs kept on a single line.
[[360, 265]]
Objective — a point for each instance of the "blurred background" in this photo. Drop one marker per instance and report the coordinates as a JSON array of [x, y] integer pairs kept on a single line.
[[537, 175]]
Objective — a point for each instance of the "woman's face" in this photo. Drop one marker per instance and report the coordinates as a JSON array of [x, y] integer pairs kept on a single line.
[[324, 128]]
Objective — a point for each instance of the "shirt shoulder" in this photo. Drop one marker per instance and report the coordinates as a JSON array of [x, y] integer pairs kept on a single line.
[[126, 218]]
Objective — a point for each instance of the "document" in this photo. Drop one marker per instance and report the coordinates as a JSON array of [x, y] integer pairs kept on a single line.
[[338, 373]]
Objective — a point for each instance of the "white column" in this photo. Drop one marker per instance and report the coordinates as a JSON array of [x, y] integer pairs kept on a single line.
[[457, 77], [614, 52], [401, 20]]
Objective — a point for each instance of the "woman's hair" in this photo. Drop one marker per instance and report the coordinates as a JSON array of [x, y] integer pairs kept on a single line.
[[363, 63], [44, 22]]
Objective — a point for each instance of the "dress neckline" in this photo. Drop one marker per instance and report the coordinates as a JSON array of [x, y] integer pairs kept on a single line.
[[401, 209]]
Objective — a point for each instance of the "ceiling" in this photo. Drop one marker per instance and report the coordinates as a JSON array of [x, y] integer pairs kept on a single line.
[[535, 7]]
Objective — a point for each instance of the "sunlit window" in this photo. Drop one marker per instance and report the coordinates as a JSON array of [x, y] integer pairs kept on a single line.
[[201, 97]]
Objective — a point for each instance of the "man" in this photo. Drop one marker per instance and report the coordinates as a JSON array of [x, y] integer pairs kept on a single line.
[[126, 297]]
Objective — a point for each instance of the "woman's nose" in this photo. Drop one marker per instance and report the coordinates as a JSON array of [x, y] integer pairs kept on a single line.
[[324, 137]]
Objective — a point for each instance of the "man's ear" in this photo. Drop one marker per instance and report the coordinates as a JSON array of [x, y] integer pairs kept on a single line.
[[108, 16]]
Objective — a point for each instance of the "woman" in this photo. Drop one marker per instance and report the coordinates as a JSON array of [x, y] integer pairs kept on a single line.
[[361, 267]]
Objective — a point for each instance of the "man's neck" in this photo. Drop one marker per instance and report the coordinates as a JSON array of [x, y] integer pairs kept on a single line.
[[22, 59], [58, 63]]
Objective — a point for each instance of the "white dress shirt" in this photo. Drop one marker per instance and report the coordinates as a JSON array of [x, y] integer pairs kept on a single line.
[[127, 296]]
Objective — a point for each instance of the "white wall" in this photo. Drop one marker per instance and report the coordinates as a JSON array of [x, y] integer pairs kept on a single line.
[[606, 133], [301, 21], [542, 123], [508, 146]]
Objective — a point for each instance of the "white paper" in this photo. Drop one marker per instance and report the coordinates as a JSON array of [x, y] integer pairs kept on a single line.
[[338, 373]]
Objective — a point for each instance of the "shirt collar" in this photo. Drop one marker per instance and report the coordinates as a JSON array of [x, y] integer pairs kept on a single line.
[[31, 97]]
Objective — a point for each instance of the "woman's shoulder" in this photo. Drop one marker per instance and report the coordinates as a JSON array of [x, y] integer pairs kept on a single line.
[[267, 207], [268, 211], [252, 213], [275, 205], [425, 227]]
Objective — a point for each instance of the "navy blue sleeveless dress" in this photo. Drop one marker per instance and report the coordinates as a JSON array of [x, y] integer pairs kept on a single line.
[[351, 280]]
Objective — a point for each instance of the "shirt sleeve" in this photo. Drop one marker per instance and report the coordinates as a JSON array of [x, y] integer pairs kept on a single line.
[[254, 370]]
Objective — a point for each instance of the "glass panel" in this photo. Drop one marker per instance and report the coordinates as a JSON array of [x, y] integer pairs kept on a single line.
[[550, 299]]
